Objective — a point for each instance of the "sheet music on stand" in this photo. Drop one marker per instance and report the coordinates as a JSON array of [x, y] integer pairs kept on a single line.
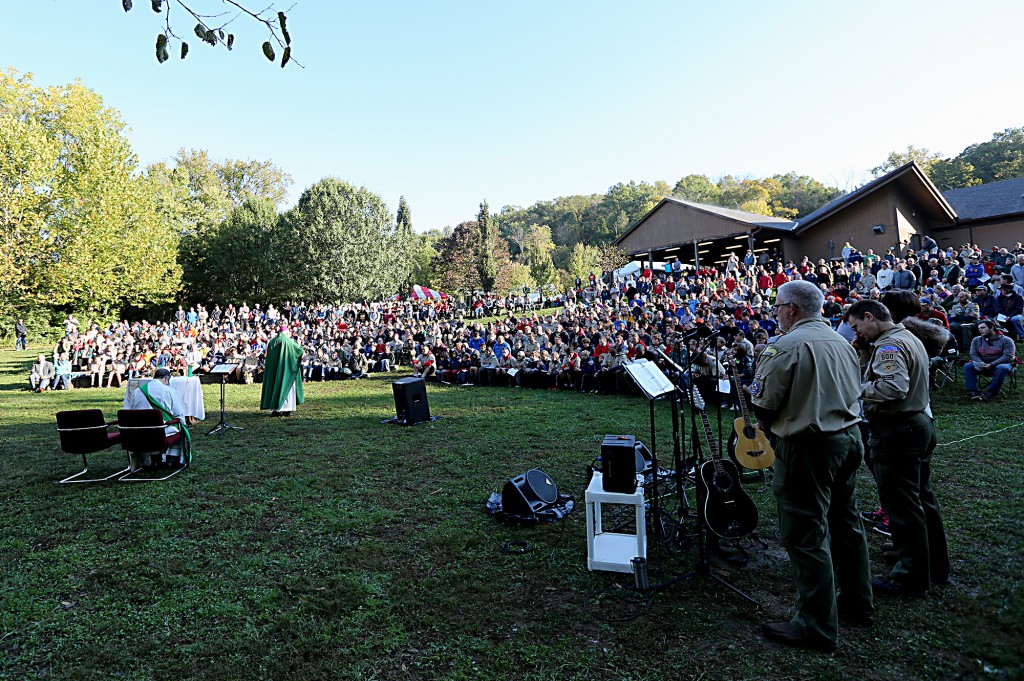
[[649, 378]]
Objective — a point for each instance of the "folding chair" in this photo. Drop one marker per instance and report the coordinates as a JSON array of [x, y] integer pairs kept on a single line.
[[83, 432], [946, 368], [142, 430], [1009, 386]]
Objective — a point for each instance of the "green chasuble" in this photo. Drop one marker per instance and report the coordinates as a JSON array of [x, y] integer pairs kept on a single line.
[[283, 369]]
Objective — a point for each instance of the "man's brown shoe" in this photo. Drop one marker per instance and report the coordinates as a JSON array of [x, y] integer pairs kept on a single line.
[[786, 633]]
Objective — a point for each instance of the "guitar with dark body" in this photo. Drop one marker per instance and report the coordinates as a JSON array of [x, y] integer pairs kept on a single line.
[[728, 511]]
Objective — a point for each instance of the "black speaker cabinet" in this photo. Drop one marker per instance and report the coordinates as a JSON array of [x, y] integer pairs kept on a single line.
[[526, 494], [619, 463], [411, 400]]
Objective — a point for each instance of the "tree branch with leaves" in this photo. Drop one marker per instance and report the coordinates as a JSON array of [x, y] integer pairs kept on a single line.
[[213, 28]]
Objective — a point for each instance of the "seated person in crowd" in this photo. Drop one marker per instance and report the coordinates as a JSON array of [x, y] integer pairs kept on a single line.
[[930, 311], [118, 368], [963, 318], [1010, 309], [42, 374], [425, 364], [986, 302], [62, 373], [992, 354], [97, 367]]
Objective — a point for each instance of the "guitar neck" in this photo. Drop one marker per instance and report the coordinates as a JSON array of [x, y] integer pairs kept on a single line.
[[716, 458], [744, 409]]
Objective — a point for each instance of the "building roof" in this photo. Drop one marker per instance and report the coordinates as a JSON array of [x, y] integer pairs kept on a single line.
[[753, 219], [995, 199], [747, 220], [909, 176]]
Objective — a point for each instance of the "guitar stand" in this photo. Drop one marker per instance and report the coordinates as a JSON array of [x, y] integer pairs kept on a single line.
[[223, 425], [703, 567]]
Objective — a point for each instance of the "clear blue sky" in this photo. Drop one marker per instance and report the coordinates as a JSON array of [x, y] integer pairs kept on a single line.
[[450, 103]]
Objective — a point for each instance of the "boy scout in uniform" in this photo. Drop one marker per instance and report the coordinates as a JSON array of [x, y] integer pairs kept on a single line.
[[805, 390], [895, 394]]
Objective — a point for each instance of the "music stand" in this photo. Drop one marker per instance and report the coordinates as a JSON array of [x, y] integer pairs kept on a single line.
[[653, 384], [223, 370]]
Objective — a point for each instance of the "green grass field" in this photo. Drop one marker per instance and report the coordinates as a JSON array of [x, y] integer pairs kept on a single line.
[[330, 546]]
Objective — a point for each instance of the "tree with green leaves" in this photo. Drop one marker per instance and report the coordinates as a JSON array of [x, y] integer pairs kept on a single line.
[[794, 196], [213, 27], [538, 255], [244, 261], [403, 218], [584, 260], [697, 188], [612, 258], [952, 173], [898, 159], [422, 252], [456, 268], [1001, 158], [748, 195], [80, 226], [487, 266], [198, 194], [341, 245]]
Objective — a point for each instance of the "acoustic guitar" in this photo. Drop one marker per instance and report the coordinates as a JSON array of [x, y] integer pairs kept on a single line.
[[728, 511], [753, 451]]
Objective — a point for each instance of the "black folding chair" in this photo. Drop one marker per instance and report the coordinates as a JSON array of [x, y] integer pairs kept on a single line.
[[83, 432], [142, 431], [946, 368]]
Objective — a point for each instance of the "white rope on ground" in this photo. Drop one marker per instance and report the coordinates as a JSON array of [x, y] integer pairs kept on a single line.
[[954, 442]]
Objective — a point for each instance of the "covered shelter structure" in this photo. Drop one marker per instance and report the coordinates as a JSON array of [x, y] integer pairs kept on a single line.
[[893, 211], [700, 235]]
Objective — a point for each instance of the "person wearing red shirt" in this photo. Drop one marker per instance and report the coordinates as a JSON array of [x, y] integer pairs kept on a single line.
[[780, 278], [930, 311]]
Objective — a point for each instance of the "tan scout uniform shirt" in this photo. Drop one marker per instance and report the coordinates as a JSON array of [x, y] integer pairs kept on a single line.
[[811, 376], [896, 376]]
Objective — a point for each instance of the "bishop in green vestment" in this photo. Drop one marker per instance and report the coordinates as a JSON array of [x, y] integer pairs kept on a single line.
[[282, 375]]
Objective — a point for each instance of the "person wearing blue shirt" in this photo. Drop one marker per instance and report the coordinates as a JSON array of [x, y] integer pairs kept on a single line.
[[500, 345], [62, 367], [974, 272]]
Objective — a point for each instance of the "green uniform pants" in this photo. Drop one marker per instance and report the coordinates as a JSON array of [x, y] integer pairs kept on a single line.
[[815, 486], [901, 452]]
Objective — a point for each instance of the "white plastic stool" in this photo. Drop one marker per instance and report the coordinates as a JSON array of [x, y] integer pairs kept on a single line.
[[613, 551]]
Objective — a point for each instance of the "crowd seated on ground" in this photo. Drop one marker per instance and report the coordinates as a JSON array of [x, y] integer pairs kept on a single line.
[[599, 326]]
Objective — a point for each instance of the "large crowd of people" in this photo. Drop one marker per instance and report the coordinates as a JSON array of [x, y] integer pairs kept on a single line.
[[598, 326]]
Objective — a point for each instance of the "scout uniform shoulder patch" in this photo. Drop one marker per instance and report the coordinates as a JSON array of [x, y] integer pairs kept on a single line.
[[769, 352], [755, 388], [887, 353]]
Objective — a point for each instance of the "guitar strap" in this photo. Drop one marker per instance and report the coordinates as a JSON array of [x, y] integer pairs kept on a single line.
[[168, 417]]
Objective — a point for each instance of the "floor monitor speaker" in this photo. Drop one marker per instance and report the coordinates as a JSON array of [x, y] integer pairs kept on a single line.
[[526, 494]]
